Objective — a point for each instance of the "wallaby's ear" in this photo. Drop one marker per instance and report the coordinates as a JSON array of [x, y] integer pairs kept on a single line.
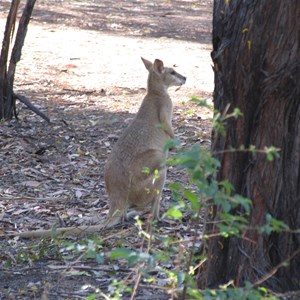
[[148, 64], [158, 66]]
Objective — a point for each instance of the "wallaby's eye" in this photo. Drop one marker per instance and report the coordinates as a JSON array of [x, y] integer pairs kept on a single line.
[[173, 72]]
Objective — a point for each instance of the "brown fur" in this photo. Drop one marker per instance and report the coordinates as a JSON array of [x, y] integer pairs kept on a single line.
[[142, 146]]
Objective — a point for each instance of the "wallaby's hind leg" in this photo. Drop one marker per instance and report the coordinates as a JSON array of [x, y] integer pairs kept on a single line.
[[118, 183], [146, 187]]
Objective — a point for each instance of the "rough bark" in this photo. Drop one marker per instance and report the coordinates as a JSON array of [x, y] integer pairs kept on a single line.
[[256, 57], [7, 69], [8, 33]]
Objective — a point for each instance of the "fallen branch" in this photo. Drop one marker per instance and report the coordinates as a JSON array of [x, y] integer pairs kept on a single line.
[[39, 199], [66, 231], [56, 232], [27, 102]]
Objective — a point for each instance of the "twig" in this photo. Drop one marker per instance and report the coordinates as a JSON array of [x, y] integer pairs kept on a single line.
[[195, 238], [149, 230], [80, 91], [102, 268], [27, 102], [275, 269], [136, 285]]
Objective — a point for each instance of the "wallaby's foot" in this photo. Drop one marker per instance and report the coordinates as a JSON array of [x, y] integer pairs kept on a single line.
[[104, 222], [133, 214], [115, 219]]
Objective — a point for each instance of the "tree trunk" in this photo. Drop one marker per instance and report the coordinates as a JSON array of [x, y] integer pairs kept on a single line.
[[7, 71], [256, 57]]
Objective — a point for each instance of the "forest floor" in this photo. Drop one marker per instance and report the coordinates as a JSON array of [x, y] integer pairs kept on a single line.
[[81, 66]]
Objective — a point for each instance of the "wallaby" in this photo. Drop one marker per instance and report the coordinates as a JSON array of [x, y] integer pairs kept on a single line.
[[135, 172]]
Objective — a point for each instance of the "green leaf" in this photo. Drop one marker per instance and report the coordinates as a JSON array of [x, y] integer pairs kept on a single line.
[[175, 186], [237, 113], [193, 199], [133, 259], [270, 156], [171, 144], [174, 213], [91, 297], [189, 112], [120, 253], [99, 259], [226, 206], [90, 254], [227, 186], [272, 153], [180, 278], [146, 170], [244, 202], [196, 294]]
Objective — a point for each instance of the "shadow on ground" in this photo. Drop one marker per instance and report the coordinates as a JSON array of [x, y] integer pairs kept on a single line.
[[182, 20], [53, 174]]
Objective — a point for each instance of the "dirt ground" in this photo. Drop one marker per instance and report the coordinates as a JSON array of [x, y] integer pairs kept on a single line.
[[81, 66]]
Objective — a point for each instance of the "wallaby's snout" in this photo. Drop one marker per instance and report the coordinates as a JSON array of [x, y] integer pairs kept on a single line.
[[179, 78]]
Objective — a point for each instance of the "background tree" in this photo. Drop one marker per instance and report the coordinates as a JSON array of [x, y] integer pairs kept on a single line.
[[257, 69], [8, 68]]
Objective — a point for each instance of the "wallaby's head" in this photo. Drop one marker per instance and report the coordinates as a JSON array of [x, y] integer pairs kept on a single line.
[[162, 76]]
